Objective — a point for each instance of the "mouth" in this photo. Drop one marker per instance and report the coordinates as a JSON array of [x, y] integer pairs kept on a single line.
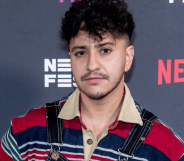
[[94, 79]]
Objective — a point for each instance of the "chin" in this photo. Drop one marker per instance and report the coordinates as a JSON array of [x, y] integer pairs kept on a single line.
[[95, 93]]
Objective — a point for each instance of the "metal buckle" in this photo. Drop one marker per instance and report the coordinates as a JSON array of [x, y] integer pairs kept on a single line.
[[54, 154], [149, 122], [125, 159]]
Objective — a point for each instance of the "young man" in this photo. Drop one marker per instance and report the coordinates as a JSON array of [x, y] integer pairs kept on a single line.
[[100, 120]]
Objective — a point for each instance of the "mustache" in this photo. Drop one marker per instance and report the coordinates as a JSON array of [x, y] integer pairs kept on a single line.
[[84, 77]]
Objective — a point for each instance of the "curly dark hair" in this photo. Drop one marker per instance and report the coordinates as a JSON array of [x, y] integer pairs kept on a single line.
[[99, 17]]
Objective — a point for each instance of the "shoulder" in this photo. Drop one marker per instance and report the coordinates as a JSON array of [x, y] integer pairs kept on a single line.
[[164, 138], [167, 131], [34, 117]]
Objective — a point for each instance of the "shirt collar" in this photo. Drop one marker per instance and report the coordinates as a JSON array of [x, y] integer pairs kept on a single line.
[[128, 113], [70, 110]]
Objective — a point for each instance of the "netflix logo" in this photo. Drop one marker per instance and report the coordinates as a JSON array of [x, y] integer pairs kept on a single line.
[[164, 71]]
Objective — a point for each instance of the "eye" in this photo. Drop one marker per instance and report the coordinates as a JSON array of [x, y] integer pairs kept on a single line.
[[80, 53], [106, 51]]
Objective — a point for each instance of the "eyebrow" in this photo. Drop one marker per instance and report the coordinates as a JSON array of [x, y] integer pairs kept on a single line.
[[96, 46], [77, 47], [104, 44]]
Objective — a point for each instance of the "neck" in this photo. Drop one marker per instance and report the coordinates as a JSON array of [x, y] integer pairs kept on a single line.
[[100, 113]]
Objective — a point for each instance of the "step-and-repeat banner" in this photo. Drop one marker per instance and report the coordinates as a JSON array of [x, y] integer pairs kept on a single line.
[[35, 66]]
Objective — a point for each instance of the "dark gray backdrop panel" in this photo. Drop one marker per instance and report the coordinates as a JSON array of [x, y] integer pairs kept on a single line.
[[29, 34]]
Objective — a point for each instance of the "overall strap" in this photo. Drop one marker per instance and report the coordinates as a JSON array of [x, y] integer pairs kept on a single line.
[[54, 124], [54, 130], [138, 133]]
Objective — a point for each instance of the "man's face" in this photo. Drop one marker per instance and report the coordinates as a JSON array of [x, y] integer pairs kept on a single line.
[[98, 66]]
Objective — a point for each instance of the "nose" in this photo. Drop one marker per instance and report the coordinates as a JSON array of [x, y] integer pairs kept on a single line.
[[93, 63]]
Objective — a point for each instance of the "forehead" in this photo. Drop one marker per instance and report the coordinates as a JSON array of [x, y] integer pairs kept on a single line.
[[84, 38]]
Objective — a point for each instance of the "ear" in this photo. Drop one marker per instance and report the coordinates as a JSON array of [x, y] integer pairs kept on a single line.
[[68, 53], [129, 57]]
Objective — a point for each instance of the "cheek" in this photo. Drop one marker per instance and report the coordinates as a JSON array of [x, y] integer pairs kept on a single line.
[[77, 70], [120, 62], [115, 65]]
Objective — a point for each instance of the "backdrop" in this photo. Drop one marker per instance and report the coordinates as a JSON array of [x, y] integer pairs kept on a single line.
[[35, 68]]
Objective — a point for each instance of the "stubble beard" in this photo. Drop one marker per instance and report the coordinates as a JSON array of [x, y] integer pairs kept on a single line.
[[101, 95]]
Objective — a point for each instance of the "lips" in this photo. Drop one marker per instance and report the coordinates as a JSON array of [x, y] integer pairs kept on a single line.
[[94, 79]]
